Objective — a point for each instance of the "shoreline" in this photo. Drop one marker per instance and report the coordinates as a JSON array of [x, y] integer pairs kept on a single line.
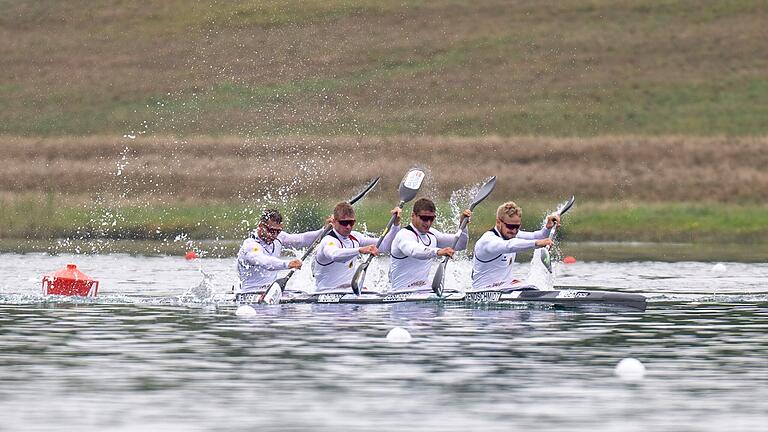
[[584, 251]]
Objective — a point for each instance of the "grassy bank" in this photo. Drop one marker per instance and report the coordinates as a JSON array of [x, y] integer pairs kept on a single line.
[[35, 222], [174, 122]]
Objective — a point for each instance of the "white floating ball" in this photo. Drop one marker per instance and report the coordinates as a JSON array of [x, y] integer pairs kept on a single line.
[[398, 334], [630, 369], [719, 267], [245, 311]]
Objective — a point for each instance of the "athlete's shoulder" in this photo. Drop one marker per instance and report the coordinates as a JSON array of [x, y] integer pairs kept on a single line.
[[488, 235], [329, 241], [248, 241], [405, 232], [357, 235]]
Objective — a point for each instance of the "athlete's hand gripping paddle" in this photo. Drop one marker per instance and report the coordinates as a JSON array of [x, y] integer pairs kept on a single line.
[[408, 189], [275, 291], [546, 258], [438, 283]]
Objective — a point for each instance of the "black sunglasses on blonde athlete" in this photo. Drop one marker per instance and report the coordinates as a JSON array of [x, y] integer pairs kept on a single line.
[[511, 226], [347, 222], [427, 218]]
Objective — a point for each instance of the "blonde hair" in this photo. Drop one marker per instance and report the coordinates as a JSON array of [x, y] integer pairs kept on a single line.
[[510, 209]]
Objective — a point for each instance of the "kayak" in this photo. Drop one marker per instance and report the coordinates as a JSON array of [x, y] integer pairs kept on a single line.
[[565, 298]]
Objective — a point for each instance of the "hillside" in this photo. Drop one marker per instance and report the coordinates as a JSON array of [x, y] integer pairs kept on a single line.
[[378, 68]]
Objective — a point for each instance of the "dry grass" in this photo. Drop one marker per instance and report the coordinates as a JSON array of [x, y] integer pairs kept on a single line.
[[204, 169]]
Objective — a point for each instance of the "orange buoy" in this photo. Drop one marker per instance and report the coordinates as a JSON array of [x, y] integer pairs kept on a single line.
[[569, 260], [190, 255], [70, 281]]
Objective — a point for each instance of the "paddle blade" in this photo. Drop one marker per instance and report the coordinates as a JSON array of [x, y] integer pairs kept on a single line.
[[438, 283], [546, 259], [565, 207], [374, 181], [483, 192], [359, 278], [546, 256], [272, 295], [411, 184]]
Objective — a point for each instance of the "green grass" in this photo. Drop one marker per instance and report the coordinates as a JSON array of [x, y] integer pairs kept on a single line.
[[650, 109], [685, 222], [343, 67], [43, 219]]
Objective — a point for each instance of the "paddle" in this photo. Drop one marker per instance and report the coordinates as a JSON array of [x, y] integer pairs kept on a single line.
[[546, 259], [408, 189], [273, 294], [482, 193]]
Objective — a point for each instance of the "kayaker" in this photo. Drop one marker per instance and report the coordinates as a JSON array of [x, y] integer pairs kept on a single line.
[[258, 260], [416, 245], [496, 249], [333, 265]]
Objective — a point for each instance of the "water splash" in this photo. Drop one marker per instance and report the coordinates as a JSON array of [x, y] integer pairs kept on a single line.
[[538, 275], [204, 292]]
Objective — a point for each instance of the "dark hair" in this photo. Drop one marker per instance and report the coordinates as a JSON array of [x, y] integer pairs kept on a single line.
[[424, 204], [271, 215]]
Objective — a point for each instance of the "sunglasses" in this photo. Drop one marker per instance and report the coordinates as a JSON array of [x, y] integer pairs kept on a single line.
[[427, 218], [272, 231], [512, 226], [347, 222]]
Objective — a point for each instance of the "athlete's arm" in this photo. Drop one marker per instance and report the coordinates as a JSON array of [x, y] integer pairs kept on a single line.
[[446, 240], [256, 256], [333, 252], [528, 235], [490, 246], [410, 246], [299, 240], [386, 244]]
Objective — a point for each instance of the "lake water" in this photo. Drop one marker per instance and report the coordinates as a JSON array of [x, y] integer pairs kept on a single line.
[[162, 349]]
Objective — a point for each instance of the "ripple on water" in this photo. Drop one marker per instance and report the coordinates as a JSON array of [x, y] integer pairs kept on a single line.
[[162, 347]]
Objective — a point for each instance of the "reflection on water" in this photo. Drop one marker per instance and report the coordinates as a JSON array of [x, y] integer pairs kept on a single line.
[[160, 349]]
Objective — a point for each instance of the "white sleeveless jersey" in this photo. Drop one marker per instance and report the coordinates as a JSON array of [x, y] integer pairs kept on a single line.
[[412, 254], [258, 262], [494, 257], [336, 259]]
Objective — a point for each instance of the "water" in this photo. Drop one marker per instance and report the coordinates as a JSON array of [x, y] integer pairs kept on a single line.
[[161, 348]]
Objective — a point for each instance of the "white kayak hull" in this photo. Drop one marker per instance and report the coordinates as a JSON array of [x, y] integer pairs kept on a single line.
[[566, 298]]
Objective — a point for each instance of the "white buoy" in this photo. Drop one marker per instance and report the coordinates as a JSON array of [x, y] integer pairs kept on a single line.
[[719, 267], [398, 335], [245, 311], [630, 369]]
